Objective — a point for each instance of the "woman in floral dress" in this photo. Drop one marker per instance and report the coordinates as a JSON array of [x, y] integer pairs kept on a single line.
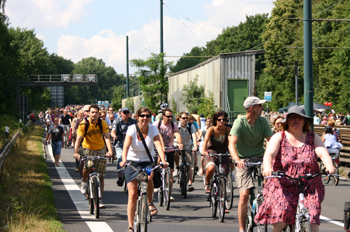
[[294, 151]]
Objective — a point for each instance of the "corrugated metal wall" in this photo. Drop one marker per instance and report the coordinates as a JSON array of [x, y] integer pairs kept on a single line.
[[213, 74]]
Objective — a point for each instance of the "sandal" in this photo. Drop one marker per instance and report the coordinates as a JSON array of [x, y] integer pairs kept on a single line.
[[153, 209], [207, 188], [227, 211], [130, 229]]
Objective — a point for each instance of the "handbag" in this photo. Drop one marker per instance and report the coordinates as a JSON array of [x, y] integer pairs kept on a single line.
[[157, 181]]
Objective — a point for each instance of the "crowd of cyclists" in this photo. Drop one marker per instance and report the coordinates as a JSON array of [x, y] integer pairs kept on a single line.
[[144, 138]]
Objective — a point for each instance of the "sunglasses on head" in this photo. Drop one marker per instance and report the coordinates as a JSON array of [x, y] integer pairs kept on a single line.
[[145, 115], [169, 116]]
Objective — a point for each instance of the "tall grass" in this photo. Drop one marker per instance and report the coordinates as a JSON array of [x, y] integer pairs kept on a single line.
[[26, 197], [11, 122]]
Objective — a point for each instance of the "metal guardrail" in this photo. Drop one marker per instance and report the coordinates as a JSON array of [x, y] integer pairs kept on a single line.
[[8, 147]]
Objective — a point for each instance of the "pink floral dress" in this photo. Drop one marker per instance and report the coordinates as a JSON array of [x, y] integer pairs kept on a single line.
[[281, 195]]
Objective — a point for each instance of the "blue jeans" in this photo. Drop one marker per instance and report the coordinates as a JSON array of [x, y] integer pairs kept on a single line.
[[56, 147]]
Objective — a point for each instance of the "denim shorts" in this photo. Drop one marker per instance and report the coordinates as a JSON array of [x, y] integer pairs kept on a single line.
[[132, 172], [56, 147]]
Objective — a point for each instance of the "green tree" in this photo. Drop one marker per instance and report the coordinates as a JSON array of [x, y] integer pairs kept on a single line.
[[130, 104], [207, 105], [154, 83], [192, 95], [118, 96], [188, 62]]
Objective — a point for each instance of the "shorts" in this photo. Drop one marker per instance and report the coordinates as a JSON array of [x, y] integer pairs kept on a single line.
[[100, 165], [189, 157], [215, 160], [131, 172], [56, 147], [170, 158], [244, 179]]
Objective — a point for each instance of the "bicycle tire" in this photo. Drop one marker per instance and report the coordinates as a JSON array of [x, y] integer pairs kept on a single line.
[[305, 226], [166, 190], [184, 180], [143, 213], [91, 204], [222, 198], [95, 190], [336, 178], [213, 202], [249, 221], [229, 191], [261, 227], [325, 179], [160, 196]]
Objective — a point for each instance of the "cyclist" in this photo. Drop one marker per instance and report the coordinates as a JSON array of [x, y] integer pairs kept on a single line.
[[217, 135], [185, 128], [246, 144], [119, 128], [65, 120], [95, 137], [56, 134], [135, 151], [75, 125], [167, 128]]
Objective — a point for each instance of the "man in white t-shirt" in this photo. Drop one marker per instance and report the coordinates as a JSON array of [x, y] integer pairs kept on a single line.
[[167, 128], [187, 139]]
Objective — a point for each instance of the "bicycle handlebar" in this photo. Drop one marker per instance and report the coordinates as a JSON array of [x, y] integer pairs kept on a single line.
[[250, 164], [308, 176], [94, 157]]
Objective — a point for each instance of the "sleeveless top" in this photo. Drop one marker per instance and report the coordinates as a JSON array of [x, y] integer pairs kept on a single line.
[[218, 144]]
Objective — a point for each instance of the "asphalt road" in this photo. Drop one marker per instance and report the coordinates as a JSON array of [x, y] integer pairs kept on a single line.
[[190, 214]]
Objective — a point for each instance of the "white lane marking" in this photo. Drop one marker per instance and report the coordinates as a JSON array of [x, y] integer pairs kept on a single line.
[[78, 199], [331, 221]]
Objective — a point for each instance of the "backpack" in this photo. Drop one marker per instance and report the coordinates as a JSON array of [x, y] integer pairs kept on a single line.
[[347, 216], [87, 124], [160, 123]]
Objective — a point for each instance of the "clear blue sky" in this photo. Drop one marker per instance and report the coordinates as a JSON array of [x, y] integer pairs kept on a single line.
[[76, 29]]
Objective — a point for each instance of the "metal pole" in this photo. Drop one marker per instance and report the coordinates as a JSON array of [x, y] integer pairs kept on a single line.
[[296, 70], [161, 26], [308, 84], [127, 66]]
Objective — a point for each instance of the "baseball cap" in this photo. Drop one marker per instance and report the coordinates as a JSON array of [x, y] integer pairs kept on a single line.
[[125, 109], [251, 101]]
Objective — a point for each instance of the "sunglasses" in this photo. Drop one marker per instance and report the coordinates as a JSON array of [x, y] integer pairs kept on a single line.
[[185, 118], [168, 116], [221, 119], [126, 112], [145, 115]]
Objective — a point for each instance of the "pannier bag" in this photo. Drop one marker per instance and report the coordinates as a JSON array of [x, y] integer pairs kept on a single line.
[[347, 216]]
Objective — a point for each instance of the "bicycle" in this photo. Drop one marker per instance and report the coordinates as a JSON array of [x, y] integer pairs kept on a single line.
[[302, 217], [142, 214], [255, 200], [183, 176], [218, 189], [334, 153], [93, 192], [66, 130], [230, 189], [165, 189]]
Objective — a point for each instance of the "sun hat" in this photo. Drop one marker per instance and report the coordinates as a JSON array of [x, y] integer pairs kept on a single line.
[[251, 101], [295, 110]]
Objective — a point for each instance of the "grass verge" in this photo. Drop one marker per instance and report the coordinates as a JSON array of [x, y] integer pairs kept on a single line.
[[26, 196]]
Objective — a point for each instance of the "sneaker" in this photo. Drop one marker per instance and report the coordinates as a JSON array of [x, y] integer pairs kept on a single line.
[[196, 168], [120, 182], [177, 171], [102, 206], [83, 187], [156, 190], [171, 198], [77, 170], [190, 188]]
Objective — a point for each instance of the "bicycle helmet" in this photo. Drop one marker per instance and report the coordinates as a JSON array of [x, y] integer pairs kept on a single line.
[[328, 130], [164, 106]]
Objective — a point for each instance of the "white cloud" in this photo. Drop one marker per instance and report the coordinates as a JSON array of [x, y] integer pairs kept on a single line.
[[41, 36], [47, 13]]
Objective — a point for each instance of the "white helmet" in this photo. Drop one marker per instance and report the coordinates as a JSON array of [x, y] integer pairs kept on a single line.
[[164, 106]]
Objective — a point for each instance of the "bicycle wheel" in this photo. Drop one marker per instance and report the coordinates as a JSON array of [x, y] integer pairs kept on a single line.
[[166, 190], [222, 198], [229, 191], [95, 190], [184, 179], [91, 202], [143, 213], [261, 227], [65, 141], [160, 196], [325, 179], [336, 178], [249, 220], [305, 226], [213, 202]]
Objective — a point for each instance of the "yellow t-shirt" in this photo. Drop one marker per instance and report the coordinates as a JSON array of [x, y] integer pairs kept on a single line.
[[94, 137]]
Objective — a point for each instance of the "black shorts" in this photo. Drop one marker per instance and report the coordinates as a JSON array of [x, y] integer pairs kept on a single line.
[[170, 158]]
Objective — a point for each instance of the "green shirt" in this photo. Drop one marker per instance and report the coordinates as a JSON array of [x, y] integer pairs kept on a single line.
[[250, 138]]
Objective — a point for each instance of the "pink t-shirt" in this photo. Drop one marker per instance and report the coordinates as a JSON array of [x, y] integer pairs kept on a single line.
[[167, 134]]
